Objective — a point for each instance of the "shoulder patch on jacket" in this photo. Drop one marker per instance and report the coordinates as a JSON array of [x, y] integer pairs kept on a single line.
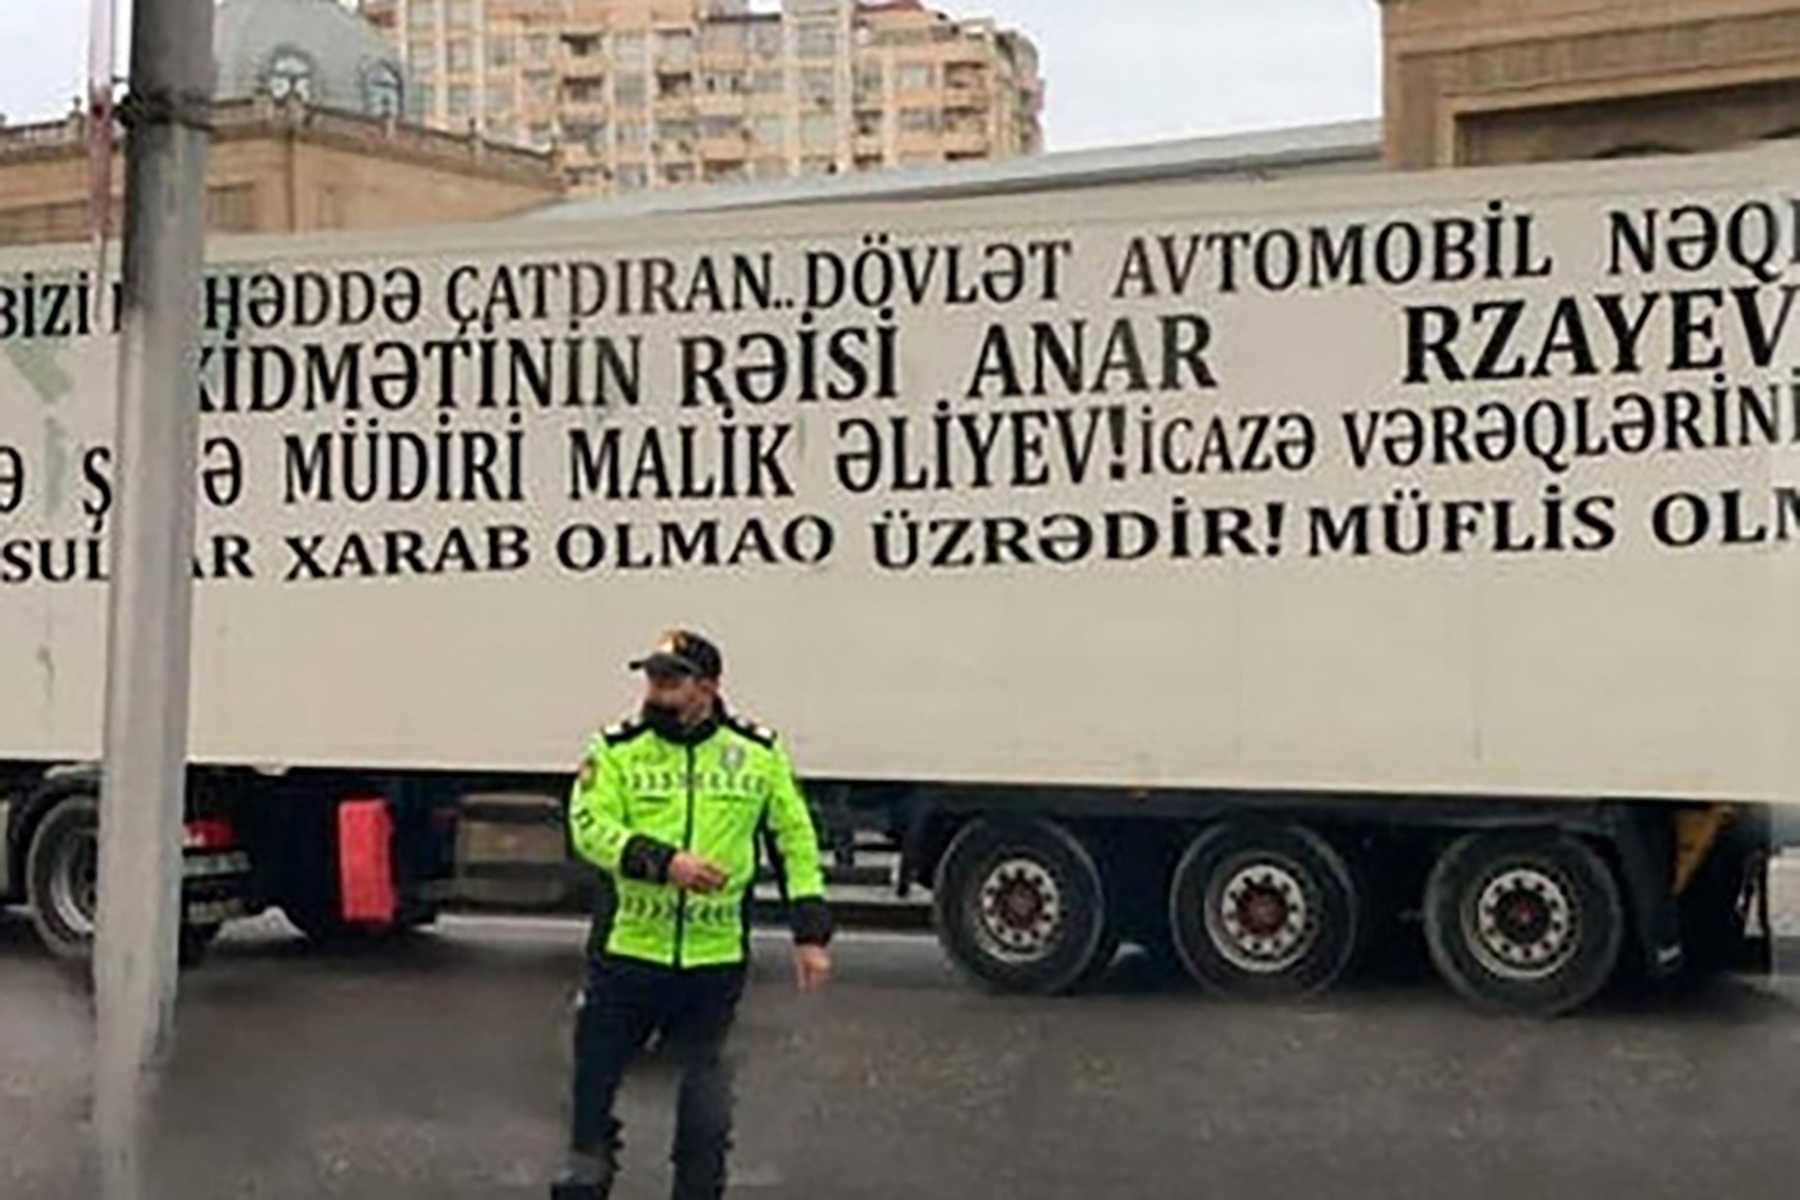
[[762, 735], [624, 731]]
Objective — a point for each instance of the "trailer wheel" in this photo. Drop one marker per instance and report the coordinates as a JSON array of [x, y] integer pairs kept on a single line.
[[62, 874], [1105, 954], [1264, 911], [1020, 906], [1527, 921], [318, 921]]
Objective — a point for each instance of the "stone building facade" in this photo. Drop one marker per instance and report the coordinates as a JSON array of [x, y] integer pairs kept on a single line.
[[310, 133], [1472, 82]]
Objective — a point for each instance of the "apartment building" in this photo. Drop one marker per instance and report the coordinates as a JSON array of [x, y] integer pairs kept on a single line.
[[636, 94]]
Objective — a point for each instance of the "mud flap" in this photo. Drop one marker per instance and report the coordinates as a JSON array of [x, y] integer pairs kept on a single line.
[[1646, 848]]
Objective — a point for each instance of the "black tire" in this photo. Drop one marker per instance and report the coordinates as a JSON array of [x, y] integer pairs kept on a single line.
[[1105, 954], [62, 871], [1527, 921], [318, 921], [1265, 911], [1020, 906]]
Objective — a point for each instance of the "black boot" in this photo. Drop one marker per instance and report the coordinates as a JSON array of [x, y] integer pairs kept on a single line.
[[698, 1185], [588, 1177]]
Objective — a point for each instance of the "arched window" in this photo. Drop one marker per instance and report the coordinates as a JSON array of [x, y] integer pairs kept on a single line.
[[291, 75], [384, 90], [1639, 150]]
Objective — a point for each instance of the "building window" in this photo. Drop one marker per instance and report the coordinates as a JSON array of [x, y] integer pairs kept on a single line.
[[459, 56], [460, 100], [678, 132], [769, 82], [869, 79], [679, 173], [422, 15], [765, 40], [426, 96], [818, 131], [538, 47], [771, 168], [818, 83], [384, 91], [589, 135], [868, 124], [499, 99], [918, 120], [725, 83], [1639, 150], [500, 51], [421, 55], [290, 75], [585, 91], [540, 89], [631, 177], [818, 41], [675, 46], [770, 130], [715, 128], [914, 77], [460, 13], [818, 165], [628, 88], [543, 135], [632, 133], [628, 45]]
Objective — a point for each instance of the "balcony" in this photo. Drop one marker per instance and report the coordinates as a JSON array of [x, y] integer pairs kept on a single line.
[[967, 98], [966, 140], [724, 60], [722, 104], [725, 148], [677, 108]]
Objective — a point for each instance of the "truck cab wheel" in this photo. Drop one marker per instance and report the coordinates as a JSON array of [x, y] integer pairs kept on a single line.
[[62, 873], [1528, 921], [1020, 906], [1264, 911]]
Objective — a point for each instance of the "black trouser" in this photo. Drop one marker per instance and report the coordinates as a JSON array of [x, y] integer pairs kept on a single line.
[[623, 1002]]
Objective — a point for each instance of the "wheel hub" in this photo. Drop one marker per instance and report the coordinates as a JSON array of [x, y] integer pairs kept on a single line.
[[1021, 909], [1261, 919], [1524, 923], [75, 882]]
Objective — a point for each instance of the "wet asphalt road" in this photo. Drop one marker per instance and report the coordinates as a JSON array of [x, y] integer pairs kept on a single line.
[[437, 1069]]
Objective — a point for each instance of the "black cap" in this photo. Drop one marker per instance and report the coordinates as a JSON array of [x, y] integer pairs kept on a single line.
[[682, 652]]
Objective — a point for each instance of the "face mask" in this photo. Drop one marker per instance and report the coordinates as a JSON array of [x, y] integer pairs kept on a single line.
[[663, 719]]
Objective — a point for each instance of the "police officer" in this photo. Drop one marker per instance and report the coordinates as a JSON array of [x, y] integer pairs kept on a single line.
[[670, 806]]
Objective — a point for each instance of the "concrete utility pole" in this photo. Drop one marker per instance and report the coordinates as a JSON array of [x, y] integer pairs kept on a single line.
[[150, 601]]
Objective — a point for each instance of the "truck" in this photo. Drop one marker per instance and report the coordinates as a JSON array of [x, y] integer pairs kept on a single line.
[[1260, 571]]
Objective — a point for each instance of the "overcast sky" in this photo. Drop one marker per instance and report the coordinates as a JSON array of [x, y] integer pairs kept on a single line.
[[1117, 71]]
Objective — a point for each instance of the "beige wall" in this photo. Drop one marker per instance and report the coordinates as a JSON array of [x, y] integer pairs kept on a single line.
[[1494, 81], [272, 180]]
